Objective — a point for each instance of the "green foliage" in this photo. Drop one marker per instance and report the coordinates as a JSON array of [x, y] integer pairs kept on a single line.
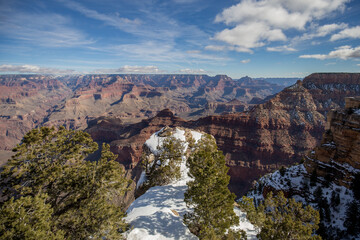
[[255, 215], [352, 221], [27, 218], [313, 178], [208, 194], [235, 235], [328, 180], [305, 189], [335, 199], [282, 171], [281, 218], [79, 193], [166, 166], [355, 186]]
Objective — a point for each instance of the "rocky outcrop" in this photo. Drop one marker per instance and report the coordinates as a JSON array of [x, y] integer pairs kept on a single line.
[[227, 107], [338, 155], [28, 101], [25, 102], [325, 178], [274, 134]]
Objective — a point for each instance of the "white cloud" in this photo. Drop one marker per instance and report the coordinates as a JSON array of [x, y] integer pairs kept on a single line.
[[139, 69], [111, 20], [184, 1], [49, 30], [281, 49], [320, 31], [158, 51], [192, 71], [215, 47], [8, 68], [329, 28], [353, 32], [245, 61], [270, 12], [343, 52], [193, 51], [358, 64], [255, 23], [248, 36]]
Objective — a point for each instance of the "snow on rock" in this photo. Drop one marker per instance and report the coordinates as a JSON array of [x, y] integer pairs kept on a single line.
[[245, 225], [294, 178], [158, 214], [196, 135], [152, 214], [142, 179]]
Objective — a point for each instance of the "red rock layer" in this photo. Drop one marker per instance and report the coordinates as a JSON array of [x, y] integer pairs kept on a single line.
[[338, 155], [278, 132]]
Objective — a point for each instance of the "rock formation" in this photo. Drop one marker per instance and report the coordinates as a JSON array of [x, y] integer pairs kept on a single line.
[[338, 155], [28, 101], [274, 134], [325, 178], [25, 101]]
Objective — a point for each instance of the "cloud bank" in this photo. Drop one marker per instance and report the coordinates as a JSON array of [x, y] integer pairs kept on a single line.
[[343, 52], [253, 24], [7, 68]]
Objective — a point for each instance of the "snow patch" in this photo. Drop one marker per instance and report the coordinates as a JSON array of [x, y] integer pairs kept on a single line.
[[295, 177], [158, 214], [196, 135], [142, 179]]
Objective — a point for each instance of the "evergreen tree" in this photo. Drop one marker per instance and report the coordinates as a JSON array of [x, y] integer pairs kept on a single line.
[[335, 200], [355, 186], [282, 171], [28, 218], [281, 218], [313, 178], [208, 194], [80, 193], [352, 221], [305, 189], [166, 166]]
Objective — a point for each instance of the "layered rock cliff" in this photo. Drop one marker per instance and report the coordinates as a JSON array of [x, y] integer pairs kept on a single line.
[[274, 134], [25, 101], [28, 101], [325, 179], [338, 155]]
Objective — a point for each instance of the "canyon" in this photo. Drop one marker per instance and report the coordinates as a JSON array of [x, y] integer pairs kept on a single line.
[[276, 133], [28, 101], [257, 131], [326, 177]]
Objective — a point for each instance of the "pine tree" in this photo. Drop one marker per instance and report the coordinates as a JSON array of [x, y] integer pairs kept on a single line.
[[28, 218], [281, 218], [313, 178], [80, 193], [355, 186], [166, 166], [208, 194], [352, 221]]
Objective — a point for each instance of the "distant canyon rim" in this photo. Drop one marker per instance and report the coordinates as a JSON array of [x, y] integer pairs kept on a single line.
[[257, 124]]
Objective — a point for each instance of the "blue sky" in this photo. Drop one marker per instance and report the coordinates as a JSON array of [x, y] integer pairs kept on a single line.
[[264, 38]]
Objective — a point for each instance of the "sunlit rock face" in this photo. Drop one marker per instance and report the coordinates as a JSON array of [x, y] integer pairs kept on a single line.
[[338, 155], [28, 101], [327, 172], [276, 133]]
